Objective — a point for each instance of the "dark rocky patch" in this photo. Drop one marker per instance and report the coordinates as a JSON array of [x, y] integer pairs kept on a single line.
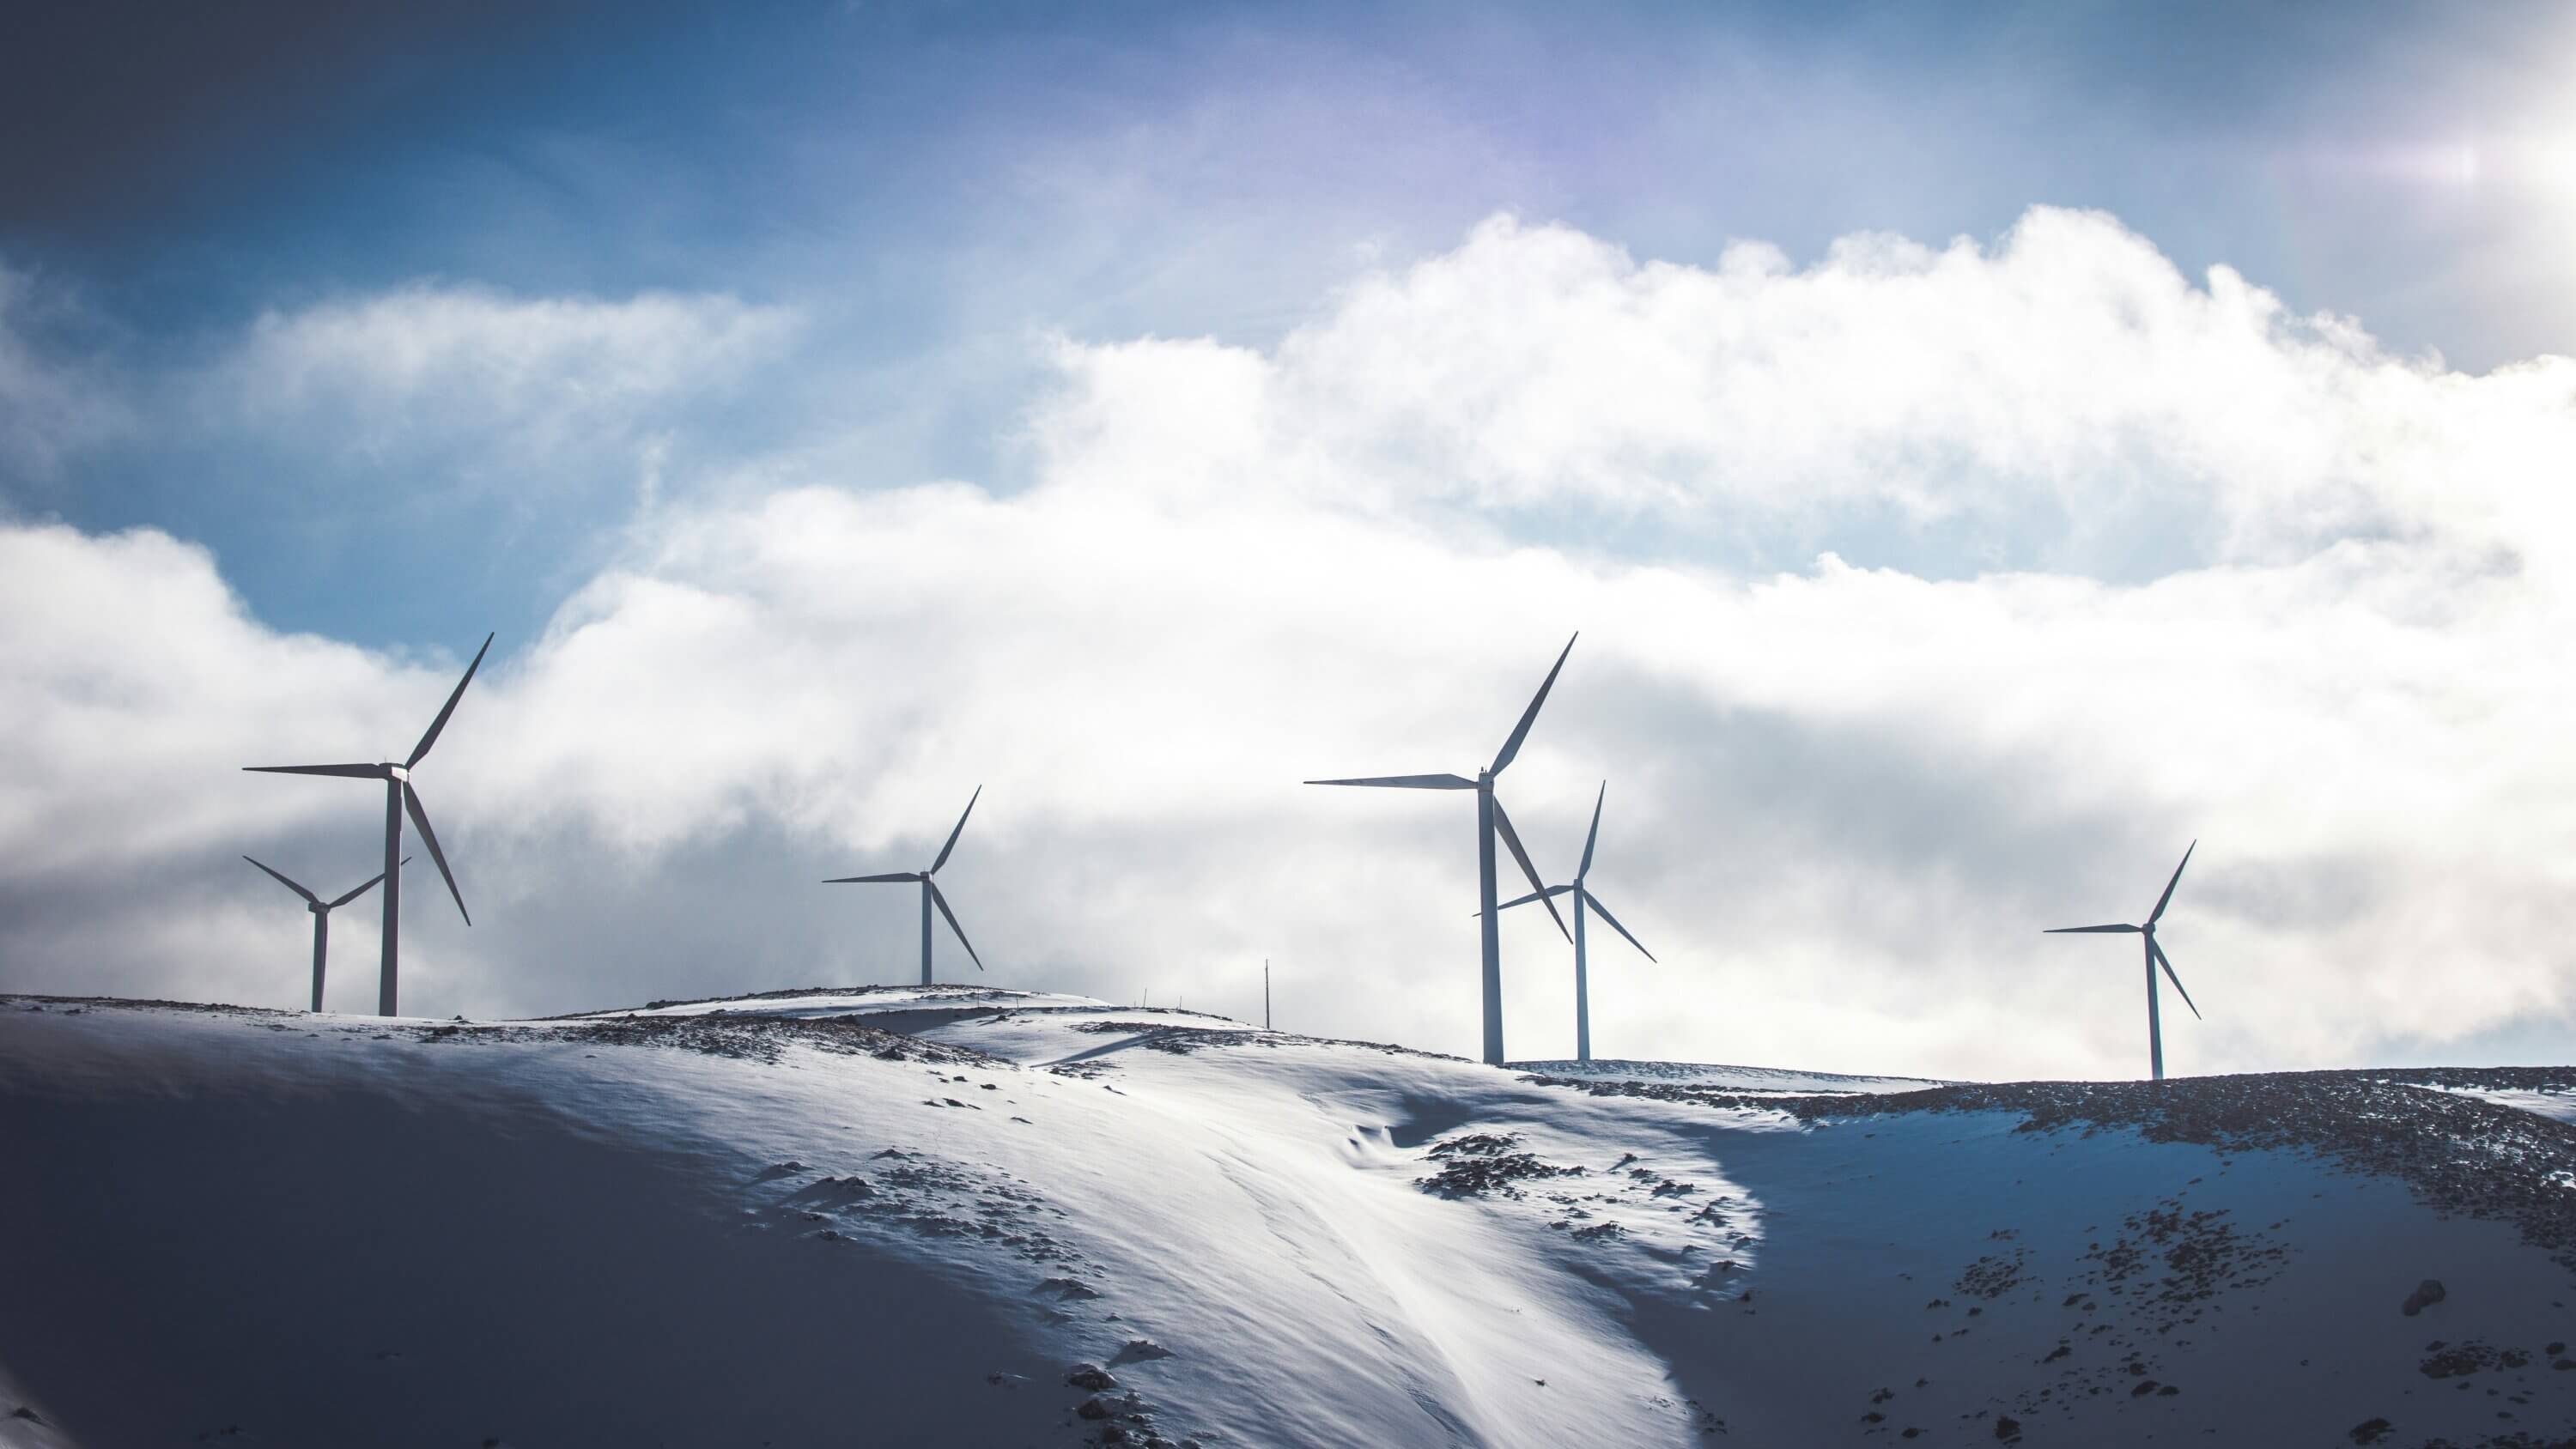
[[755, 1037], [1478, 1164]]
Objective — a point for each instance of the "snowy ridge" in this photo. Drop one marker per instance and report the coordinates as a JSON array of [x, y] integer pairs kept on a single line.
[[1738, 1079], [1043, 1221]]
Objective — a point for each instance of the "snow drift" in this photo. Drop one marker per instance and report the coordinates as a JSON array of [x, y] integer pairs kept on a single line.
[[976, 1217]]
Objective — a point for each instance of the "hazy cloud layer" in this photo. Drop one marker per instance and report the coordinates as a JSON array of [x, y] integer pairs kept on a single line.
[[52, 402], [2254, 581], [494, 381]]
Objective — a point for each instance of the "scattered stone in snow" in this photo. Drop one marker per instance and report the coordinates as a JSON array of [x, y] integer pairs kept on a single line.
[[1480, 1163], [1139, 1350], [1090, 1376], [2426, 1294], [2370, 1431], [2451, 1361], [2007, 1427]]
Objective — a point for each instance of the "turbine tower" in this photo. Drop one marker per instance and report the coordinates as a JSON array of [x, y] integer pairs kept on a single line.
[[1490, 821], [400, 797], [930, 895], [1583, 896], [321, 910], [2155, 957]]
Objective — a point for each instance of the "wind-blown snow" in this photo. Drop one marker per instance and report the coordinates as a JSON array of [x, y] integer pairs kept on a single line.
[[771, 1221]]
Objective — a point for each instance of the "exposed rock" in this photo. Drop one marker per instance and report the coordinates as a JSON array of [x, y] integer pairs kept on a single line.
[[1089, 1376], [2371, 1431], [2426, 1294]]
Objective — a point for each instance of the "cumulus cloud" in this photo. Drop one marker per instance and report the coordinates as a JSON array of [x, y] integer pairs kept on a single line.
[[1844, 796], [2054, 395]]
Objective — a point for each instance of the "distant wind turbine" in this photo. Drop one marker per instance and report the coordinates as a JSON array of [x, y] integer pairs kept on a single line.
[[1490, 821], [1583, 896], [399, 798], [2155, 957], [322, 910], [930, 895]]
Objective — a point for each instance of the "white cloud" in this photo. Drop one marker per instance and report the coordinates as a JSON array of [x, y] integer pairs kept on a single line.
[[1843, 799], [437, 368], [2056, 390]]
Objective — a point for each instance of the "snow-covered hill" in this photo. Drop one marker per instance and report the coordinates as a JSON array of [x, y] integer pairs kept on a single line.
[[970, 1217]]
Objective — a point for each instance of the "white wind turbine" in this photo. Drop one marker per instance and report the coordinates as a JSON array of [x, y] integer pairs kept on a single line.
[[1583, 897], [930, 895], [2155, 957], [400, 797], [321, 910], [1490, 821]]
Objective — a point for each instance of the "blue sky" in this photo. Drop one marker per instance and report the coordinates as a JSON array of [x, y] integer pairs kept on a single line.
[[2093, 332]]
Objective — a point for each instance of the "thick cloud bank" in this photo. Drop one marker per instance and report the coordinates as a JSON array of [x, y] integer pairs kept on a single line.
[[2132, 560]]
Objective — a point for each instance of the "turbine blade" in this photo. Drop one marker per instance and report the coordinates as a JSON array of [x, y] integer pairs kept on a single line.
[[353, 895], [941, 901], [1595, 902], [290, 885], [422, 749], [2080, 930], [1525, 900], [952, 835], [2158, 912], [1407, 782], [1594, 834], [871, 879], [354, 772], [1520, 732], [2165, 962], [1512, 838], [429, 837]]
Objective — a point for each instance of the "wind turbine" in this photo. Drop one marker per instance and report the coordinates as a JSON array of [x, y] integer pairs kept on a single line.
[[2155, 957], [321, 910], [1583, 896], [1490, 821], [399, 797], [930, 895]]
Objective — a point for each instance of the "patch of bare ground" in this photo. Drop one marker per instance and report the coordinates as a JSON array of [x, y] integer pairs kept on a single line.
[[1480, 1163], [761, 1038], [30, 1002], [1181, 1040]]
